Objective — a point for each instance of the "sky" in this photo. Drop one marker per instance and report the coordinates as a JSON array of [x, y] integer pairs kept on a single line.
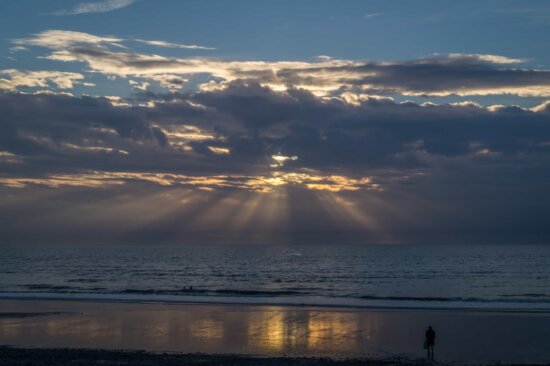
[[275, 122]]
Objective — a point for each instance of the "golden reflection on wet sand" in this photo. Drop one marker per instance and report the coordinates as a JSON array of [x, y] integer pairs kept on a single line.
[[186, 328], [271, 330]]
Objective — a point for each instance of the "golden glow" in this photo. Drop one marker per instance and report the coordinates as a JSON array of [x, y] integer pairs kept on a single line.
[[275, 330], [256, 207], [330, 331], [259, 183], [274, 333], [280, 160], [207, 329], [266, 330], [180, 135], [219, 150], [96, 149]]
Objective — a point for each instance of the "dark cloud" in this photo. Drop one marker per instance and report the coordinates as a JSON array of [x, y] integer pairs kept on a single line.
[[329, 156], [254, 123], [193, 164], [376, 133], [432, 76]]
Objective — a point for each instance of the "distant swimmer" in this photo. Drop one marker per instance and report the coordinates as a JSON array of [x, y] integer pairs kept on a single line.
[[429, 342]]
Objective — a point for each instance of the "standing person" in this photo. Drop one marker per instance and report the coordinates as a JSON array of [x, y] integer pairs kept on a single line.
[[430, 342]]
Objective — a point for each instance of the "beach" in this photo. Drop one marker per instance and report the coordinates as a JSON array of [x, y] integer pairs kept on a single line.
[[80, 357], [276, 331]]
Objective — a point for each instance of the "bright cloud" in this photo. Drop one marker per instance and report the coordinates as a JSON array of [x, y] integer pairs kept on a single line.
[[173, 45], [219, 150], [60, 39], [258, 183], [12, 79], [435, 76], [280, 160]]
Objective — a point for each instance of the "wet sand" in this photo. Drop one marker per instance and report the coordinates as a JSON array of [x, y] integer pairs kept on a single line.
[[509, 337]]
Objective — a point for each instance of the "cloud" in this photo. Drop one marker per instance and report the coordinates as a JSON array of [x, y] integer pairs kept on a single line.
[[61, 39], [143, 86], [315, 149], [172, 45], [373, 169], [372, 15], [281, 159], [253, 130], [170, 81], [543, 107], [96, 7], [11, 79], [265, 184], [493, 59], [9, 158], [434, 76], [219, 150], [17, 49]]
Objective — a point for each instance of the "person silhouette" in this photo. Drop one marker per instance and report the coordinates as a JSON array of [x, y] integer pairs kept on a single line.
[[429, 342]]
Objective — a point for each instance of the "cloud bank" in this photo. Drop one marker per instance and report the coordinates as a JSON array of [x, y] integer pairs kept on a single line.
[[434, 76], [398, 171], [271, 151]]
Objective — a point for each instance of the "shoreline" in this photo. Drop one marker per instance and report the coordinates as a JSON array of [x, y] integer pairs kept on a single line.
[[286, 301]]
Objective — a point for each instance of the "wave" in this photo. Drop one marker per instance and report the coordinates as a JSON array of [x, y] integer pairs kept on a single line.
[[48, 287], [409, 298], [237, 292], [527, 295], [187, 291], [527, 298], [258, 293], [84, 280], [389, 302], [188, 294], [182, 291]]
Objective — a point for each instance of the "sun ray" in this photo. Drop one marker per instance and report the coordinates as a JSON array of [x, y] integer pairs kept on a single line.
[[349, 216]]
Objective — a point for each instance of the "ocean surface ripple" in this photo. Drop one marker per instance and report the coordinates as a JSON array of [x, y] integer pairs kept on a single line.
[[399, 276]]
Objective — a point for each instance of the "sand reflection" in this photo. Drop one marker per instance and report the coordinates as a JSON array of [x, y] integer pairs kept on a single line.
[[337, 330], [191, 328], [266, 330], [310, 331], [207, 329]]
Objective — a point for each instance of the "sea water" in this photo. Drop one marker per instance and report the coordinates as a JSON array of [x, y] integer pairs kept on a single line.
[[384, 276]]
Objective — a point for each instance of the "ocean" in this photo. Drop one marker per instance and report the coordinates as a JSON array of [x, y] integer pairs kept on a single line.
[[379, 276]]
